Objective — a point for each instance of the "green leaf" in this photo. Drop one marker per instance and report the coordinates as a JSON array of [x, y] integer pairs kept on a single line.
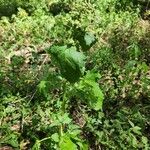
[[55, 137], [134, 141], [85, 146], [70, 62], [42, 85], [85, 39], [12, 140], [144, 140], [64, 119], [89, 38], [37, 145], [136, 130], [66, 143], [131, 123], [91, 90]]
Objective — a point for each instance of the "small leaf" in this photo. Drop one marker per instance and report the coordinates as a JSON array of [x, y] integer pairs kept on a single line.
[[144, 140], [64, 119], [136, 130], [86, 39], [37, 145], [42, 85], [131, 123], [144, 66], [89, 38], [55, 137]]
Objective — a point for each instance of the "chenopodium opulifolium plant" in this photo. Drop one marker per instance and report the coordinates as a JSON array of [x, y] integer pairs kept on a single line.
[[70, 61], [72, 67]]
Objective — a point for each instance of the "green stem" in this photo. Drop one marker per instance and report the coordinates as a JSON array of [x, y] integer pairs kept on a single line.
[[63, 106], [61, 130], [44, 139]]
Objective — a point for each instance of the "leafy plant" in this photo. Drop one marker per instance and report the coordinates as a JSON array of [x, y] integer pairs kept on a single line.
[[72, 68], [58, 101]]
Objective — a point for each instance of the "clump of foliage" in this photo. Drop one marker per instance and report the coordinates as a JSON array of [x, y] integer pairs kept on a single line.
[[74, 74]]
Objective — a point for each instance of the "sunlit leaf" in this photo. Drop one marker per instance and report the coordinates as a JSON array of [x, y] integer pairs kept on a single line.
[[55, 137], [89, 38], [66, 143], [92, 91]]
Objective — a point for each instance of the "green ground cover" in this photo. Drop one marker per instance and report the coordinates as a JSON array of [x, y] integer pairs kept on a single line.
[[75, 74]]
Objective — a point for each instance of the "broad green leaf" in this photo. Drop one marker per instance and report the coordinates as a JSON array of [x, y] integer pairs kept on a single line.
[[70, 62], [66, 143], [91, 90], [11, 139]]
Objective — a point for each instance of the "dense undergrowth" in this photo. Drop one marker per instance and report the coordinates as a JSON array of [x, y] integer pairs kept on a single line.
[[104, 103]]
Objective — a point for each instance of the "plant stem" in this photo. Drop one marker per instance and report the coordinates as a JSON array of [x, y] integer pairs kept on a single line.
[[64, 99], [63, 106], [47, 138]]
